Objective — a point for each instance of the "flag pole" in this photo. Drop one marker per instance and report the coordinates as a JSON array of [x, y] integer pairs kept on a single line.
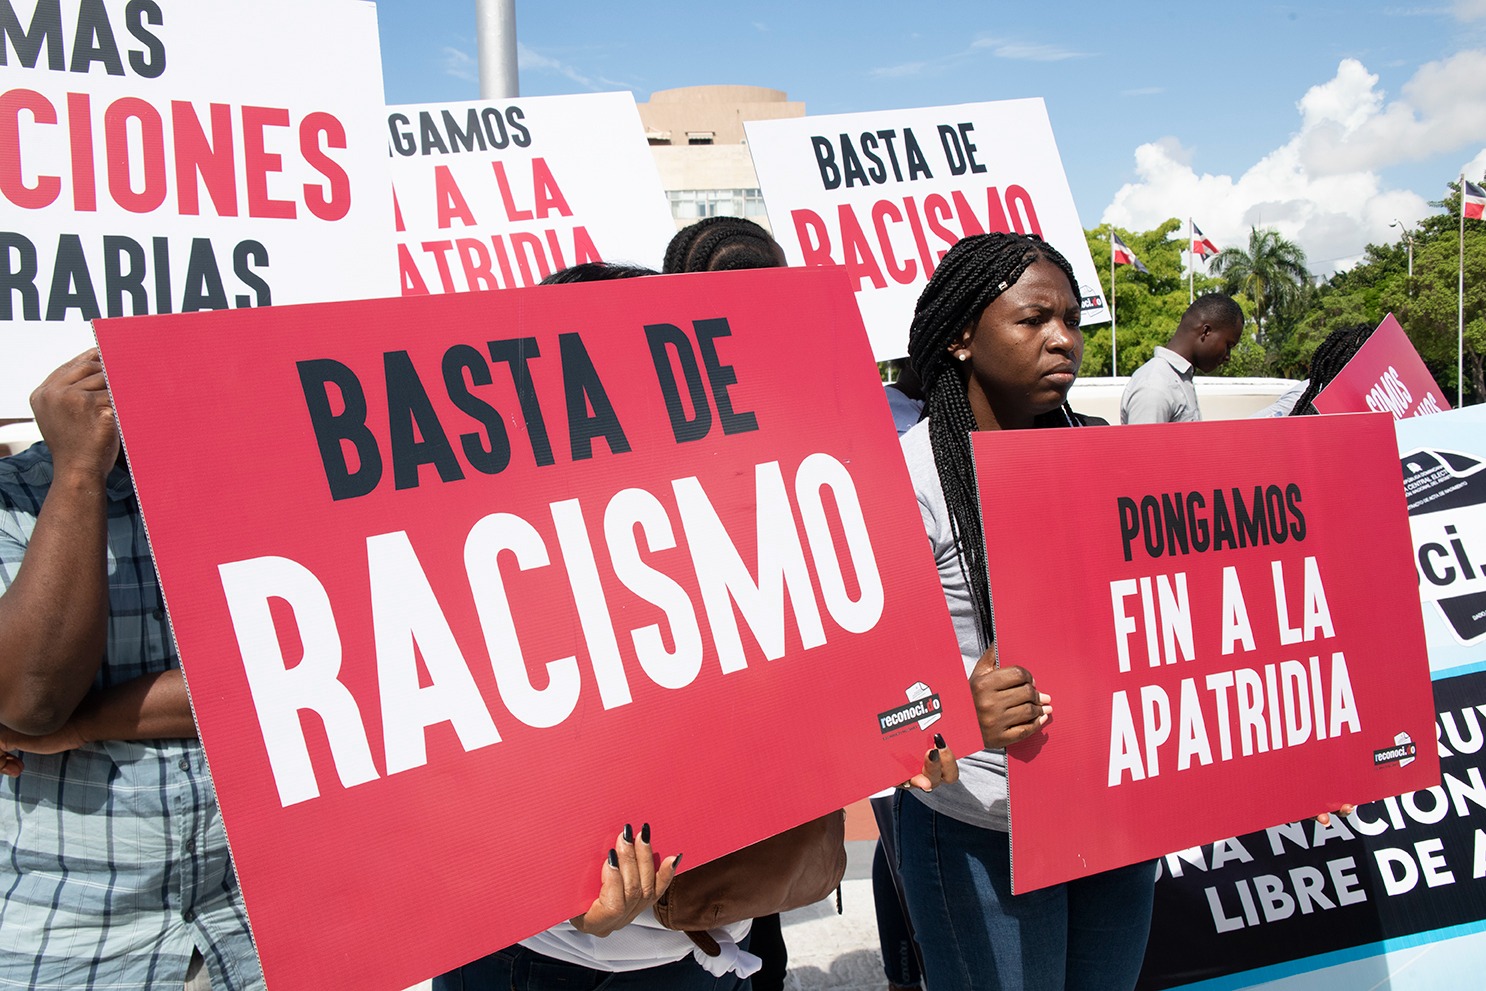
[[1460, 309], [1114, 354], [1191, 256]]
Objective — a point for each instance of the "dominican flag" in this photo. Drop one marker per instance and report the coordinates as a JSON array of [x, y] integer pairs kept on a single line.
[[1202, 246], [1124, 256], [1474, 201]]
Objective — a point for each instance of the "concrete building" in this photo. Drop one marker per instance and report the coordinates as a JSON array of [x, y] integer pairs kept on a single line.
[[696, 135]]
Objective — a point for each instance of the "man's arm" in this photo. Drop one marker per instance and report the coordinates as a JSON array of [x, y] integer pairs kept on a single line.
[[150, 707], [54, 613]]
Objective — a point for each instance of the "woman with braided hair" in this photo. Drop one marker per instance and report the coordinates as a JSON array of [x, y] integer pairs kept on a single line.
[[722, 244], [996, 342], [1329, 358]]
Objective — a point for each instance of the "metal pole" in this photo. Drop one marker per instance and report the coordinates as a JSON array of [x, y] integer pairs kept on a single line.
[[1191, 257], [1408, 242], [495, 28], [1114, 354], [1460, 329]]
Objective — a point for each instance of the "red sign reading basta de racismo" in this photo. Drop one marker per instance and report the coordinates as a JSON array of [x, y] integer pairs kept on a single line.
[[463, 584]]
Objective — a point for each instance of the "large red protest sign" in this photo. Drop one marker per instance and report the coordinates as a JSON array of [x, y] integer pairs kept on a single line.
[[1228, 627], [169, 156], [464, 583], [1386, 375]]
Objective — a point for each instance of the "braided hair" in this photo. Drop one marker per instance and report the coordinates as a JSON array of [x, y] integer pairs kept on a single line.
[[719, 244], [972, 274], [596, 272], [1330, 357]]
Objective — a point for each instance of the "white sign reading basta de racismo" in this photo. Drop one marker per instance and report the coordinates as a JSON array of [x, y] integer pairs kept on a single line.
[[887, 193]]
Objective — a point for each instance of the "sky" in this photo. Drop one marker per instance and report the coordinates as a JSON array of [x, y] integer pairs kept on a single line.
[[1328, 123]]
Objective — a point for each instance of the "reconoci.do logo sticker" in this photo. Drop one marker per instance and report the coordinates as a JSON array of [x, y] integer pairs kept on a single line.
[[1402, 753], [922, 708]]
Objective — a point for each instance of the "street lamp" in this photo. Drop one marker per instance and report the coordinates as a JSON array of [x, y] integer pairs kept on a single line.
[[1408, 240]]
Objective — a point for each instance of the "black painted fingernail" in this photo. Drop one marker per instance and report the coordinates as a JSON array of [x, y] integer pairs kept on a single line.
[[614, 859], [645, 833], [939, 741], [934, 756], [676, 864], [629, 833]]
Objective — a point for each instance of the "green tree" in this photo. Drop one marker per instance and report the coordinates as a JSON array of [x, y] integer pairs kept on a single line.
[[1363, 294], [1426, 305], [1430, 312], [1148, 305], [1295, 314], [1271, 273]]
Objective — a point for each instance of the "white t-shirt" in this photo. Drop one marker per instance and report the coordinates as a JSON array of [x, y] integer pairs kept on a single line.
[[642, 944]]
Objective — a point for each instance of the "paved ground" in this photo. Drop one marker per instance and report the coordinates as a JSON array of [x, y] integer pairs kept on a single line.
[[833, 951]]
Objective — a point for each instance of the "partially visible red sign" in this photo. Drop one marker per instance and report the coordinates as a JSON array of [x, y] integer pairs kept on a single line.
[[1228, 627], [464, 583], [1386, 375]]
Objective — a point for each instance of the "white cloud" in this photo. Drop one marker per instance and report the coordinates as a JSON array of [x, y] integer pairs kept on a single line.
[[901, 71], [529, 59], [1020, 51], [460, 64], [1322, 188], [1025, 51], [1347, 126], [1476, 167], [1470, 10]]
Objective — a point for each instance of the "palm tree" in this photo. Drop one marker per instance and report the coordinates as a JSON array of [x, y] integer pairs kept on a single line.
[[1271, 272]]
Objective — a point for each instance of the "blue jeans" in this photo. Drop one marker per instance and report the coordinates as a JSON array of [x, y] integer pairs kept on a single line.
[[518, 969], [1085, 935], [894, 931]]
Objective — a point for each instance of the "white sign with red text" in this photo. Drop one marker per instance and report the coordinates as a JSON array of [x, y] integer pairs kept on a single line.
[[496, 195], [887, 193], [168, 156]]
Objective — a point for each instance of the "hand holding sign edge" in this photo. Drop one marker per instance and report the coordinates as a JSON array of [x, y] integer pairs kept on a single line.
[[629, 884], [1007, 701]]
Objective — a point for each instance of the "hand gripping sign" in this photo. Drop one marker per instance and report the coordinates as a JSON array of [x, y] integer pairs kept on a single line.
[[464, 583], [1228, 626]]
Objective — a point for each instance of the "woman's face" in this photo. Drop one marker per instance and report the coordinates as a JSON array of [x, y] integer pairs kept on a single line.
[[1022, 355]]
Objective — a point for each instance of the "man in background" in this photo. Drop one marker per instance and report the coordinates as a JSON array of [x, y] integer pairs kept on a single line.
[[1161, 390]]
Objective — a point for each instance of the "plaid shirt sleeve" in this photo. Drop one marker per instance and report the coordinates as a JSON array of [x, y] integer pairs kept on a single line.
[[118, 862]]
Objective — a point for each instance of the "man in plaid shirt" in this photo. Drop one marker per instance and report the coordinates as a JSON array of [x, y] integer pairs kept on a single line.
[[118, 869]]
